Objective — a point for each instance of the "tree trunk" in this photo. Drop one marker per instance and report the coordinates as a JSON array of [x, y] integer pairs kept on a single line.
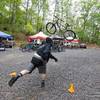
[[27, 6]]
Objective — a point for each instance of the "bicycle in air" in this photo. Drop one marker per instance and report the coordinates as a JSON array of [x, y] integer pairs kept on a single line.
[[58, 24]]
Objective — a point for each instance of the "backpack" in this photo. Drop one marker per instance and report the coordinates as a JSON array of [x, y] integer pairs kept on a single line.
[[44, 51]]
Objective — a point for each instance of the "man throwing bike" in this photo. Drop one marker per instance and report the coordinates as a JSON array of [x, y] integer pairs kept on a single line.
[[39, 60]]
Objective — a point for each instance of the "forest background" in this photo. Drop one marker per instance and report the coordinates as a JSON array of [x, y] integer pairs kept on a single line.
[[25, 17]]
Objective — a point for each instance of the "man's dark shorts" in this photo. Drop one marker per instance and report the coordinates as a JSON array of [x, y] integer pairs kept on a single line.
[[38, 64]]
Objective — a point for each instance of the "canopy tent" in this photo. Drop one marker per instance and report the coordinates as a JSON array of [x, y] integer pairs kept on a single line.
[[72, 41], [39, 35], [56, 37], [5, 36]]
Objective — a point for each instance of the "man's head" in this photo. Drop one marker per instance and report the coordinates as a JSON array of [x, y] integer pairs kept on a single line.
[[49, 40]]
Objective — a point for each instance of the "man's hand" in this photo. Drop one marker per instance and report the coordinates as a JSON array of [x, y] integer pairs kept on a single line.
[[52, 57], [56, 60]]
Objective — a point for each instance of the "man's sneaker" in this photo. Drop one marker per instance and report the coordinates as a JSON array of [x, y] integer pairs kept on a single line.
[[42, 84], [13, 80]]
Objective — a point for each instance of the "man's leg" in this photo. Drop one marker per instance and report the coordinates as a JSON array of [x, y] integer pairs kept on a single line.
[[42, 72], [43, 78], [23, 72]]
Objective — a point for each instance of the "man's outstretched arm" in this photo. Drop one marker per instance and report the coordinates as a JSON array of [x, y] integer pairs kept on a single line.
[[52, 57]]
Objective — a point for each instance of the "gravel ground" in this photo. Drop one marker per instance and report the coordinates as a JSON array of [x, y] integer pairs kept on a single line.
[[78, 66]]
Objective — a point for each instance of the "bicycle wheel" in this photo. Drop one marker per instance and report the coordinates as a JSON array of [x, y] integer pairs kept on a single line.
[[70, 35], [51, 28]]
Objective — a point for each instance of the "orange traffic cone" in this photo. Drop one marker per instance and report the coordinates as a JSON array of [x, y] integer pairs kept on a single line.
[[13, 74], [71, 88]]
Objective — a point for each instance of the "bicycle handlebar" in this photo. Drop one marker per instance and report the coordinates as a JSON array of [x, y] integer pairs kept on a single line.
[[58, 18]]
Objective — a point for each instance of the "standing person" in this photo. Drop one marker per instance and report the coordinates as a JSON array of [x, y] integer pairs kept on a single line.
[[39, 60]]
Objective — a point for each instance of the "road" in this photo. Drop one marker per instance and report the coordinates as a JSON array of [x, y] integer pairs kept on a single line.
[[78, 66]]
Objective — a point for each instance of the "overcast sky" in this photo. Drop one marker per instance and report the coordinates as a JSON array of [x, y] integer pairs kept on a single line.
[[75, 7]]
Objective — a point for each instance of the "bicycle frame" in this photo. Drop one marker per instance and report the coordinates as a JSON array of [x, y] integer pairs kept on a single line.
[[59, 25]]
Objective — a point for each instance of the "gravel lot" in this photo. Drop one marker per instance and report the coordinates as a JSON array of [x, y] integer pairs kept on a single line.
[[78, 66]]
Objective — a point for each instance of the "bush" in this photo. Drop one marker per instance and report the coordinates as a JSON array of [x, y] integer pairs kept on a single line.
[[83, 37], [28, 29]]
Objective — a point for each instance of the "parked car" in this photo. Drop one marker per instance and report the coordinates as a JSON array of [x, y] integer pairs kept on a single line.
[[9, 43], [2, 47], [74, 43]]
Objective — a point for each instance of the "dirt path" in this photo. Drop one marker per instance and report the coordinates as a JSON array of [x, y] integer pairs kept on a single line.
[[79, 66]]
